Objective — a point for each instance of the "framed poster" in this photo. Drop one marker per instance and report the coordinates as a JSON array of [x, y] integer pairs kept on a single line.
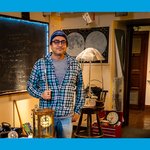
[[80, 39]]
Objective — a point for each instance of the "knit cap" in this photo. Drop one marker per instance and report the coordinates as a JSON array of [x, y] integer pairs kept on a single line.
[[58, 33]]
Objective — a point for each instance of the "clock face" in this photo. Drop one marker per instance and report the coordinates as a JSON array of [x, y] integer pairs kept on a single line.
[[12, 134], [112, 117], [45, 121]]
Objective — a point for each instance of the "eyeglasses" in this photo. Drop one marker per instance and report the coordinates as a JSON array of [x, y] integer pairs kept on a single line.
[[57, 42]]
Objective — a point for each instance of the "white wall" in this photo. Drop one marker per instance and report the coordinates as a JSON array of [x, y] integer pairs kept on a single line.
[[25, 104]]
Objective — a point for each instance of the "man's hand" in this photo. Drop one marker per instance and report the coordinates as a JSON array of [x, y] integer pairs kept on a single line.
[[46, 95], [75, 117]]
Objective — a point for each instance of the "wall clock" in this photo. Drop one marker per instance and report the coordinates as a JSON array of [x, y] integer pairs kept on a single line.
[[112, 117]]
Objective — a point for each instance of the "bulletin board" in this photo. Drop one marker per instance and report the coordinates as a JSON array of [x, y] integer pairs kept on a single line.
[[80, 39], [22, 42]]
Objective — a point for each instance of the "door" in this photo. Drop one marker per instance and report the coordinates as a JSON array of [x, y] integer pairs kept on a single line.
[[138, 69]]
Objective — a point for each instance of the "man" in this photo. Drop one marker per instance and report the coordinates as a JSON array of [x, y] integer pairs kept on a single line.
[[57, 81]]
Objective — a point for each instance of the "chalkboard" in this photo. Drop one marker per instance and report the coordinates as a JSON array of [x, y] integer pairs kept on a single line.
[[22, 42]]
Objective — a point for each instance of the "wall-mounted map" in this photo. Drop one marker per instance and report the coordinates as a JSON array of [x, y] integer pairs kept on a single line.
[[80, 39]]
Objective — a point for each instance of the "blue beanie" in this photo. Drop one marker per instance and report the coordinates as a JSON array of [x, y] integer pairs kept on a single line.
[[58, 33]]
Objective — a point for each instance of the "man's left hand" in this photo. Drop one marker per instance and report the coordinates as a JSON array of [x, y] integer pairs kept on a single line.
[[75, 117]]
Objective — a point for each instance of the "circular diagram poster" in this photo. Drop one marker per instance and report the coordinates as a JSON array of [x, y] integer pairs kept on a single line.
[[80, 39], [97, 40], [75, 44]]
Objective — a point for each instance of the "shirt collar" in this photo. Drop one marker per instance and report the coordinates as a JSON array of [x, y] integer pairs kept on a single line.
[[70, 59]]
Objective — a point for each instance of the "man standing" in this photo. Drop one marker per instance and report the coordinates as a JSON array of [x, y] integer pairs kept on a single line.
[[57, 81]]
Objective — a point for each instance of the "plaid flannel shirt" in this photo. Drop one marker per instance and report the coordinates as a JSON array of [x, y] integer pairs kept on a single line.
[[67, 97]]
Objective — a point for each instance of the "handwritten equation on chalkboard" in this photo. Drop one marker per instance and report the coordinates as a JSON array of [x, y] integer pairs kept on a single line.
[[21, 44]]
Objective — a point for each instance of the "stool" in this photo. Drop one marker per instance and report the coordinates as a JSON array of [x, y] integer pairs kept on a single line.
[[87, 132]]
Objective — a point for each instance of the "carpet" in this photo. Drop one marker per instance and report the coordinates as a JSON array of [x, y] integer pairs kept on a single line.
[[129, 132]]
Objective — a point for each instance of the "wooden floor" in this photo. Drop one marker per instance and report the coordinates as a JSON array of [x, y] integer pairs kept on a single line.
[[139, 119]]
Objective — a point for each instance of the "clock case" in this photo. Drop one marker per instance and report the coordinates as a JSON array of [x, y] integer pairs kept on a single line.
[[40, 131]]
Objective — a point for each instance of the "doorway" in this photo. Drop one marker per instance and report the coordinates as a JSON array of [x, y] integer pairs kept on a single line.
[[138, 70], [136, 56]]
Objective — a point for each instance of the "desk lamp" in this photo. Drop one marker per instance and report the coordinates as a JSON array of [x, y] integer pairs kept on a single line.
[[90, 55], [43, 123]]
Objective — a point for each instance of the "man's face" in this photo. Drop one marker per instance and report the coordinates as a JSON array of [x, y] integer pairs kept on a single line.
[[59, 45]]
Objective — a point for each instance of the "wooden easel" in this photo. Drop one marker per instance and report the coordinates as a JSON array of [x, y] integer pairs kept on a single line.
[[21, 125]]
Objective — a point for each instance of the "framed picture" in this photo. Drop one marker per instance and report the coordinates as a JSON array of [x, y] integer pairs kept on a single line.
[[80, 39]]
